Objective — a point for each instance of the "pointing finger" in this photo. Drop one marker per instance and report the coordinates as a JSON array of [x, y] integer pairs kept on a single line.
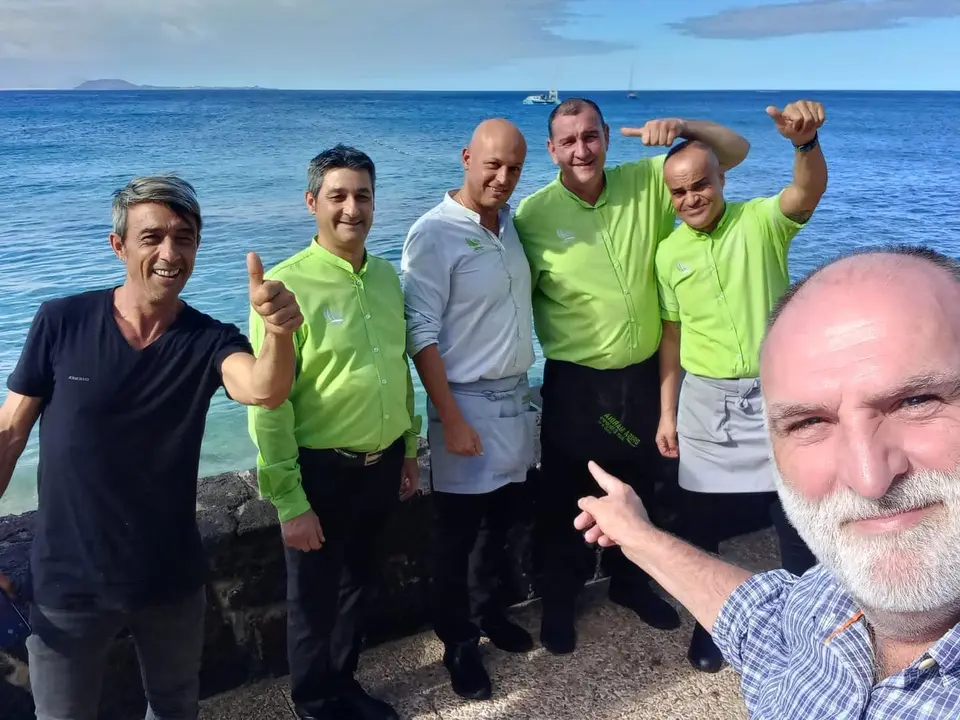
[[254, 270], [631, 132], [604, 479], [774, 112]]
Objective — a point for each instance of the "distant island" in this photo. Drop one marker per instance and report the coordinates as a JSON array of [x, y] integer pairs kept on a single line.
[[116, 84]]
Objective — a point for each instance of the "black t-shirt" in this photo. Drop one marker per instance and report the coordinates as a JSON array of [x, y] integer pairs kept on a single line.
[[120, 435]]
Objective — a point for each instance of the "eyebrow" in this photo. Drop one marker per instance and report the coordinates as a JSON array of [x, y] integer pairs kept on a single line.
[[946, 384]]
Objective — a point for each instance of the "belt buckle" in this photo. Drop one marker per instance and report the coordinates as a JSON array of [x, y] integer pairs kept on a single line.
[[371, 458]]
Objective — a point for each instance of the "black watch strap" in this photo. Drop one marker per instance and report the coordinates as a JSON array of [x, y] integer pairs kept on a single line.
[[808, 146]]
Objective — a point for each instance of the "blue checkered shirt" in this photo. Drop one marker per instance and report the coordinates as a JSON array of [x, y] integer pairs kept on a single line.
[[804, 653]]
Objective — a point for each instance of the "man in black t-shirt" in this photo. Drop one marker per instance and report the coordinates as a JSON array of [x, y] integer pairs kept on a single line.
[[121, 380]]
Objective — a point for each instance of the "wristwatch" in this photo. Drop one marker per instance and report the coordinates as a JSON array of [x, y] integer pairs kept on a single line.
[[807, 146]]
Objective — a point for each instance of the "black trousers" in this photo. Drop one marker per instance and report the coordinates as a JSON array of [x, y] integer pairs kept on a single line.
[[610, 417], [326, 588], [711, 518], [469, 554]]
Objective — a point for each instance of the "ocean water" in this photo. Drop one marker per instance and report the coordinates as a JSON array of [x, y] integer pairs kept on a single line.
[[894, 174]]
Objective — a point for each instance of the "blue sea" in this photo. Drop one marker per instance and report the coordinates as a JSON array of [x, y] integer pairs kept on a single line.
[[894, 174]]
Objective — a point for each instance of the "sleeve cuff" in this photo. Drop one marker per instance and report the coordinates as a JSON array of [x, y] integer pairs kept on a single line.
[[669, 315], [291, 504]]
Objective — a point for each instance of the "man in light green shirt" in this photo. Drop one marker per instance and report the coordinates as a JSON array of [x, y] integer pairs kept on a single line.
[[719, 275], [590, 237], [341, 452]]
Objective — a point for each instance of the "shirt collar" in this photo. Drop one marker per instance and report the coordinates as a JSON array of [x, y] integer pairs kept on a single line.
[[454, 208], [328, 257], [602, 200]]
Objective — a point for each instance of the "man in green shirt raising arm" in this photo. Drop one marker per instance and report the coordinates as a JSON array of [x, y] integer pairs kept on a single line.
[[591, 237], [720, 274], [341, 452]]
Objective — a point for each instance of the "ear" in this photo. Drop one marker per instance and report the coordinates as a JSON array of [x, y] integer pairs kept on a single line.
[[723, 180], [116, 244], [311, 202], [606, 136], [465, 158]]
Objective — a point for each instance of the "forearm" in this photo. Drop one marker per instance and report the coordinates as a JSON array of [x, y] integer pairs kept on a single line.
[[278, 467], [809, 181], [730, 147], [272, 374], [11, 447], [700, 582], [433, 375], [18, 415], [670, 370]]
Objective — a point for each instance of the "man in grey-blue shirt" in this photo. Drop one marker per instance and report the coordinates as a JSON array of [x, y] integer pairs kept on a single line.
[[469, 328]]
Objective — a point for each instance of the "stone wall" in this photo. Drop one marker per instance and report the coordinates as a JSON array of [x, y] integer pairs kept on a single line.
[[245, 634]]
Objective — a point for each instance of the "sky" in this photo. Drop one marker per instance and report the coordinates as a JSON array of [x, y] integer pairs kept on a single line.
[[491, 45]]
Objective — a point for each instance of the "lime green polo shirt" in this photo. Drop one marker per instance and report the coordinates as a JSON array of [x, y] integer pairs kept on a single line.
[[353, 389], [592, 266], [721, 286]]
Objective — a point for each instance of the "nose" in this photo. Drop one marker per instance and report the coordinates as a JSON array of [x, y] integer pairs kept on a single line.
[[502, 175], [871, 459], [169, 252], [350, 206]]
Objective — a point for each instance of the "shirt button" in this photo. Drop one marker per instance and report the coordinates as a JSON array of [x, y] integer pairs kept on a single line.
[[367, 316], [376, 349], [386, 416], [626, 292], [927, 664], [720, 297], [632, 321], [383, 382]]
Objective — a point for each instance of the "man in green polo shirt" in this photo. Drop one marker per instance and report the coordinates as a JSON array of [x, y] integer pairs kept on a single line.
[[720, 274], [590, 237], [341, 452]]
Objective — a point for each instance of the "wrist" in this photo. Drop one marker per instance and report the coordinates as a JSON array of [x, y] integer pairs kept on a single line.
[[806, 144]]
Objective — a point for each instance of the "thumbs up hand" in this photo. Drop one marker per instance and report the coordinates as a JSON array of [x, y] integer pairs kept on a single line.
[[272, 301], [798, 121], [613, 519]]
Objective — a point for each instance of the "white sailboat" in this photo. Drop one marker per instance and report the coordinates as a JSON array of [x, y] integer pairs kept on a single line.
[[549, 98]]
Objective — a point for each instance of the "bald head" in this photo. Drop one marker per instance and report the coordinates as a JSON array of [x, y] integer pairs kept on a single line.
[[492, 163], [692, 174]]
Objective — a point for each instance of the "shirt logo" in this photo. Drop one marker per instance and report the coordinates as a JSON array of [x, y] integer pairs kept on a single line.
[[331, 317], [682, 268], [474, 244], [565, 236], [78, 378]]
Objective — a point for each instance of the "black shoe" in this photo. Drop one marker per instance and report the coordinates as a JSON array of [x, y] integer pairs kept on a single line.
[[506, 635], [355, 703], [558, 633], [649, 607], [468, 677], [703, 654]]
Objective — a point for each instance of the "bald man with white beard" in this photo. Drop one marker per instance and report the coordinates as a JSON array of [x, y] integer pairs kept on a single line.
[[860, 373], [470, 334]]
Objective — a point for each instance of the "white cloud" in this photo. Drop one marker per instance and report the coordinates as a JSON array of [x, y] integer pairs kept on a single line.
[[814, 16], [184, 40]]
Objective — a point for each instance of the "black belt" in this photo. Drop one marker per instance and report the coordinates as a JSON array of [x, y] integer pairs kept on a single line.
[[360, 459]]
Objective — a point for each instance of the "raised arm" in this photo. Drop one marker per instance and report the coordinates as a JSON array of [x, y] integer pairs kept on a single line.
[[799, 122], [265, 379], [730, 147]]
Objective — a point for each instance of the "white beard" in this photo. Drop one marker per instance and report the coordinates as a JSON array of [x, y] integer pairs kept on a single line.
[[913, 571]]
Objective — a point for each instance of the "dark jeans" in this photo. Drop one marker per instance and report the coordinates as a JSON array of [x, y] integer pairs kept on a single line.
[[610, 417], [711, 518], [469, 554], [326, 588], [68, 650]]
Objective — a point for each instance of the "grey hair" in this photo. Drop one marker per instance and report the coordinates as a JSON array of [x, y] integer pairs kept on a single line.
[[170, 190], [336, 158]]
